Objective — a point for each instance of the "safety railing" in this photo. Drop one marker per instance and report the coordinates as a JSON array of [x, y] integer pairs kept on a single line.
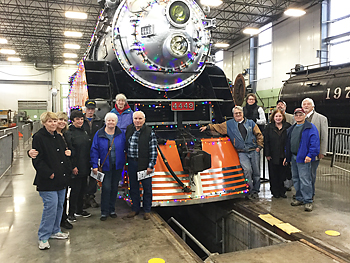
[[332, 131], [15, 136], [6, 153], [27, 132], [185, 233], [36, 126], [341, 151]]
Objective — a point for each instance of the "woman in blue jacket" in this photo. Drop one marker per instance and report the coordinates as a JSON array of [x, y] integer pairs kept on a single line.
[[113, 166], [123, 111]]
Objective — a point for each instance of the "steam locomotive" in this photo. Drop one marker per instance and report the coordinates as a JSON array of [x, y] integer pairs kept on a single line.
[[157, 53], [328, 86]]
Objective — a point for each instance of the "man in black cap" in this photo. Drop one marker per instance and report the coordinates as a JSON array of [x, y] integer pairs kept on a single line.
[[91, 125], [282, 106]]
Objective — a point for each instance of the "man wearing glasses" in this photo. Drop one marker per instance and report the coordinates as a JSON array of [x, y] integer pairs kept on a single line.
[[248, 140], [302, 147]]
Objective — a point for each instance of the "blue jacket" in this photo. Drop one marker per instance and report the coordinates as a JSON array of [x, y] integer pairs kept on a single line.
[[124, 119], [100, 146], [309, 143], [236, 138]]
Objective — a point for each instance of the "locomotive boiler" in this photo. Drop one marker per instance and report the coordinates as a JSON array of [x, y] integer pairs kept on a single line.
[[158, 54], [328, 86]]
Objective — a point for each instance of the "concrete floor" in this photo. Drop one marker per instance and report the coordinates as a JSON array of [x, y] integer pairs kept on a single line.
[[136, 240], [331, 209], [331, 212], [91, 240], [289, 252]]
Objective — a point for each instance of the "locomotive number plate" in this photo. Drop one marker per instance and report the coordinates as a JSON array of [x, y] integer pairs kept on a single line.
[[182, 106]]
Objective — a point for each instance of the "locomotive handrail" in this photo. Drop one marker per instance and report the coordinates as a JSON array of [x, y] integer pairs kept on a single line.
[[167, 100]]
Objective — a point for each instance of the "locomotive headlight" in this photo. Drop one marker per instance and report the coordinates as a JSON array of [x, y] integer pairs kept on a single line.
[[178, 13], [179, 46]]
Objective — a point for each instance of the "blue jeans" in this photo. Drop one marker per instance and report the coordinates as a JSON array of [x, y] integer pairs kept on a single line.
[[250, 164], [110, 190], [52, 213], [135, 188], [302, 180], [314, 166]]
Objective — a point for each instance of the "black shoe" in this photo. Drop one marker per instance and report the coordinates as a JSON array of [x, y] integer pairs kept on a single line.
[[113, 215], [276, 196], [93, 203], [65, 224], [71, 219], [83, 214], [103, 218], [86, 205], [283, 196], [255, 195]]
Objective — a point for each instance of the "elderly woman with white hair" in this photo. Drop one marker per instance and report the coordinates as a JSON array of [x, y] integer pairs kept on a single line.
[[108, 150], [123, 111]]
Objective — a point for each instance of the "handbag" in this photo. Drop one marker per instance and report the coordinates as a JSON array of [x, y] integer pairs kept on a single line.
[[99, 168]]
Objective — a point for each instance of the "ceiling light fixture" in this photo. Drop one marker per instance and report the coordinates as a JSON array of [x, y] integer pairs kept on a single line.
[[251, 31], [72, 46], [211, 2], [76, 15], [3, 41], [70, 62], [223, 45], [294, 12], [72, 34], [13, 59], [7, 51], [70, 55]]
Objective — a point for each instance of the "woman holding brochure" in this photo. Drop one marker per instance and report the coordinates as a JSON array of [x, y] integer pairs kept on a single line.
[[108, 149]]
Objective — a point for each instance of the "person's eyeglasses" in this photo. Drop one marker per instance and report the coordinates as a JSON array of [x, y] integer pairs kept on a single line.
[[237, 113]]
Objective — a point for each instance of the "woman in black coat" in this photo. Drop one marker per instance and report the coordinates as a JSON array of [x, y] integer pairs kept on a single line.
[[79, 142], [52, 172], [275, 136], [62, 127]]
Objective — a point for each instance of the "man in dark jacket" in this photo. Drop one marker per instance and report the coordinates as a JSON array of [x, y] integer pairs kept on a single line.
[[302, 147], [92, 124], [142, 155]]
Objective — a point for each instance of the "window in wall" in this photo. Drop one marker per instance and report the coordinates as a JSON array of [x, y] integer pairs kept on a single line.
[[219, 59], [339, 31], [264, 69]]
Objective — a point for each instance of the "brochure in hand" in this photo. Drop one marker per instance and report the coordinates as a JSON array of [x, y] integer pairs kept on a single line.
[[99, 176]]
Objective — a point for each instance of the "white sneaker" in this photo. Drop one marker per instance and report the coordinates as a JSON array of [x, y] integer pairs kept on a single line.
[[44, 244], [60, 235]]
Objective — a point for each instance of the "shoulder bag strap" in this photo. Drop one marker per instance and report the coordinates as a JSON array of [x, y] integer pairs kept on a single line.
[[109, 151]]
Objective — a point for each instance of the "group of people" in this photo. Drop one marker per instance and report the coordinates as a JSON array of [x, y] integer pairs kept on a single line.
[[293, 144], [65, 156]]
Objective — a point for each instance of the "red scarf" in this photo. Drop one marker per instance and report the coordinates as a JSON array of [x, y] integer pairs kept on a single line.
[[123, 109]]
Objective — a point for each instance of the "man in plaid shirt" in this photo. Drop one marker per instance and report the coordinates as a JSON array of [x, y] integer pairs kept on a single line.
[[142, 155]]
